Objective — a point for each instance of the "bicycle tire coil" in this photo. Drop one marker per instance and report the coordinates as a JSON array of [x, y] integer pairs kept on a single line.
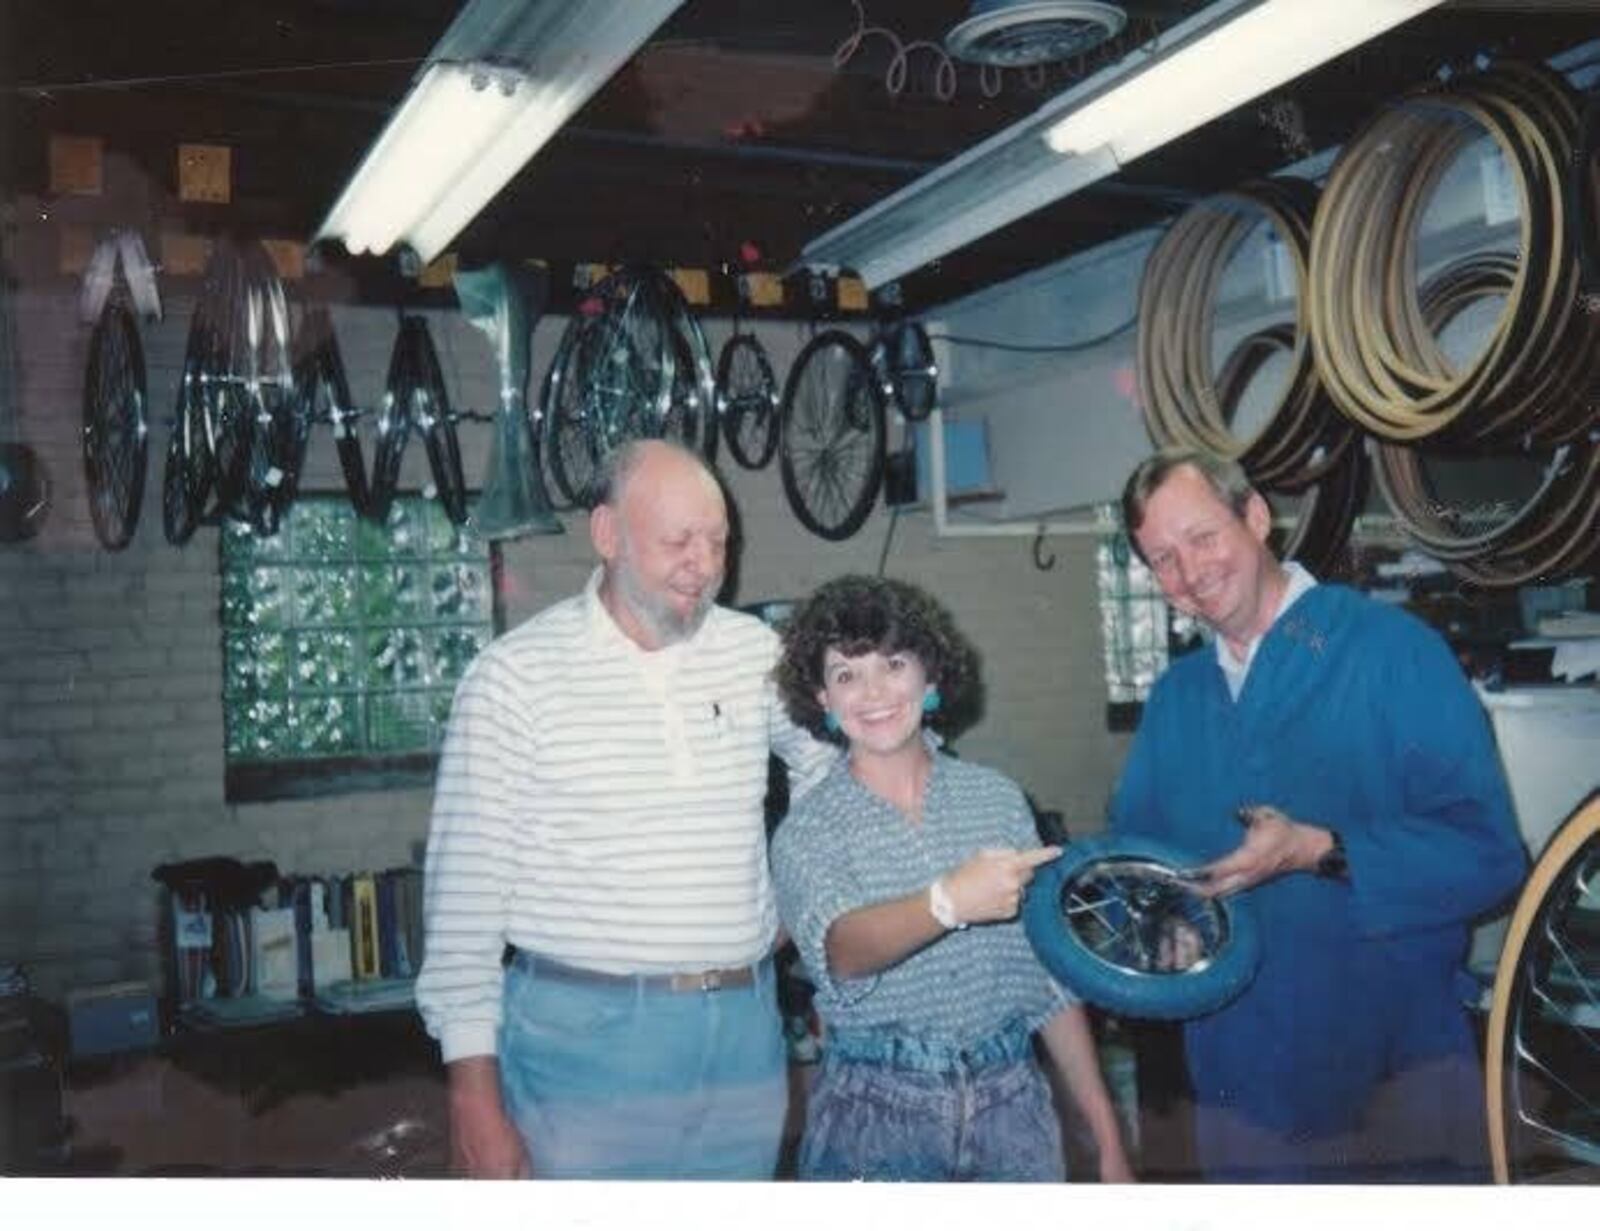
[[1376, 321], [1381, 361], [1303, 446]]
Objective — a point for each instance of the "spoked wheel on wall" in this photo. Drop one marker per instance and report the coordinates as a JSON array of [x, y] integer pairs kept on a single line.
[[567, 441], [323, 392], [220, 349], [905, 357], [1115, 919], [691, 417], [747, 401], [1543, 1047], [415, 400], [831, 439], [632, 363], [115, 428], [186, 476], [278, 435]]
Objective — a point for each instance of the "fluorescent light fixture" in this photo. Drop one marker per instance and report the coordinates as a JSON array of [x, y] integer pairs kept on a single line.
[[1256, 50], [501, 82], [1227, 54]]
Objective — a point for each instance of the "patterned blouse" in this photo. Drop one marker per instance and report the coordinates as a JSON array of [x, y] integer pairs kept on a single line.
[[842, 848]]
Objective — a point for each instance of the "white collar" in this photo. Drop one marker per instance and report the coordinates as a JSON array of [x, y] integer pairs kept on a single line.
[[1300, 580]]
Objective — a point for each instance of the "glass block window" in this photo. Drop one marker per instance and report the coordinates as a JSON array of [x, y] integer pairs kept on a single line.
[[1135, 621], [342, 641]]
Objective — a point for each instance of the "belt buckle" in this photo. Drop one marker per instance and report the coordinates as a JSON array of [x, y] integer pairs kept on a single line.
[[711, 981]]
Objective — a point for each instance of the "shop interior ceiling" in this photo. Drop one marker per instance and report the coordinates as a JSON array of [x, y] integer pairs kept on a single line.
[[733, 125]]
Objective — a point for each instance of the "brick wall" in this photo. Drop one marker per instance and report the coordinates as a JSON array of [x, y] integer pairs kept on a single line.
[[111, 723]]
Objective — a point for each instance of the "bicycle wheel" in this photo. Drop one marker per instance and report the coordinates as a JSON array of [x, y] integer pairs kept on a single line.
[[831, 436], [186, 479], [905, 357], [438, 427], [564, 437], [747, 401], [277, 439], [115, 432], [1114, 921], [223, 359], [180, 514], [415, 400], [1543, 1045], [323, 392], [692, 416], [625, 363]]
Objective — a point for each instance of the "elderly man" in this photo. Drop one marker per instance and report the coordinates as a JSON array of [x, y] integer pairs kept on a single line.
[[1330, 760], [598, 809]]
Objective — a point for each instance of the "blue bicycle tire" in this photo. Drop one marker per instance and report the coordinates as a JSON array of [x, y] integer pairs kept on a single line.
[[1126, 988]]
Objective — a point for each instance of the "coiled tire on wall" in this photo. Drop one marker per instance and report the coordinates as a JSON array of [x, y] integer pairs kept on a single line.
[[1099, 916]]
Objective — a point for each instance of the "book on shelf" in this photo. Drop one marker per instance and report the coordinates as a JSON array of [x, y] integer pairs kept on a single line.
[[364, 927], [274, 954]]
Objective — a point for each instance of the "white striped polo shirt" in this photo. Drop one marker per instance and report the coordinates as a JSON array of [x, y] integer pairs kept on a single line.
[[602, 805]]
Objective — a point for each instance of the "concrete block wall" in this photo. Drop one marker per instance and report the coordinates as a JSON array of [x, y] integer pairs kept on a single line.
[[111, 741]]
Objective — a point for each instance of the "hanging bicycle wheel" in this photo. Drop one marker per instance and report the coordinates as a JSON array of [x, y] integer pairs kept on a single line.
[[625, 362], [323, 393], [186, 478], [831, 436], [438, 426], [415, 400], [692, 416], [747, 401], [1114, 920], [276, 443], [180, 514], [221, 353], [115, 432], [1543, 1045], [906, 359], [567, 443]]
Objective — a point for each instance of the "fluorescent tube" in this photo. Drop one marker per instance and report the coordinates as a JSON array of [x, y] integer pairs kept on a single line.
[[501, 82]]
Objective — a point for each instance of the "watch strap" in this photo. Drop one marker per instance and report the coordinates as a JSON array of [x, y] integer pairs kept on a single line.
[[1335, 863], [942, 908]]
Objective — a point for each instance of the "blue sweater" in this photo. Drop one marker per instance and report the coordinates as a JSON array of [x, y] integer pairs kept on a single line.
[[1356, 717]]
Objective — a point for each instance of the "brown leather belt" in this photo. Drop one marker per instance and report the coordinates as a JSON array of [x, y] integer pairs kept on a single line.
[[687, 981]]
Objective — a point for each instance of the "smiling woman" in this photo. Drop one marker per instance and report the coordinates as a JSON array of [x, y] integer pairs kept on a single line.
[[900, 879]]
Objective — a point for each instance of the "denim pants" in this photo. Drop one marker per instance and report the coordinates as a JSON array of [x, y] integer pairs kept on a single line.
[[630, 1081], [890, 1110]]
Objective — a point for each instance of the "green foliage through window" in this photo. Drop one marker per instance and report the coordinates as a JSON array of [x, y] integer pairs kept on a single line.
[[341, 639]]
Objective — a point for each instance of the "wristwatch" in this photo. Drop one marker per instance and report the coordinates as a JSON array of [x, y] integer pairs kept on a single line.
[[942, 908], [1334, 864]]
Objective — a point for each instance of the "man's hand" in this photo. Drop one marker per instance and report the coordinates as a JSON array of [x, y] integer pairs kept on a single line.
[[1274, 845], [988, 887], [484, 1144]]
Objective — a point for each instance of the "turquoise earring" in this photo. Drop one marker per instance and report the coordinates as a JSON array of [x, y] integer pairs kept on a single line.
[[931, 701], [830, 720]]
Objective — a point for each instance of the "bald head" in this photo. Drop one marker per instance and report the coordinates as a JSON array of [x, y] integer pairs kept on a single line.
[[662, 531], [657, 459]]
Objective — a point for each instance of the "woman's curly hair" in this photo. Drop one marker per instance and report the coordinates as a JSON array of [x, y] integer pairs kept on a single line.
[[857, 615]]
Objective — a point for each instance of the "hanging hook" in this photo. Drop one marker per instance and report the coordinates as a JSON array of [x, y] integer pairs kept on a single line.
[[1040, 561]]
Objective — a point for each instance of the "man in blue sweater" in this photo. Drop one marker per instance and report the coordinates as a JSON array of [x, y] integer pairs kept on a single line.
[[1330, 760]]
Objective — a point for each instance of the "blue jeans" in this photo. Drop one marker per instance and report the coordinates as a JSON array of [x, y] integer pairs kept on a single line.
[[634, 1082], [888, 1108]]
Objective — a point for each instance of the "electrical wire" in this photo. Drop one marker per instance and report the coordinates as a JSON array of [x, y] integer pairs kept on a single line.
[[883, 556], [1063, 348], [43, 88]]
